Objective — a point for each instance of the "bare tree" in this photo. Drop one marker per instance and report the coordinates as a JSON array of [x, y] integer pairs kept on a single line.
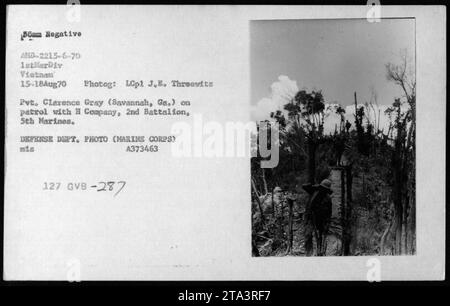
[[403, 156]]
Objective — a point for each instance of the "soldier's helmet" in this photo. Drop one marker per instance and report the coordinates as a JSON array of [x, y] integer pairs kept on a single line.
[[326, 184], [277, 189]]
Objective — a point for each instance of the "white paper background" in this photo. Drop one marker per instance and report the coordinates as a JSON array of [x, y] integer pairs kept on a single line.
[[182, 218]]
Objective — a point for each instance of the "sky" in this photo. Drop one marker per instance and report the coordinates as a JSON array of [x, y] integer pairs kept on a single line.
[[338, 57]]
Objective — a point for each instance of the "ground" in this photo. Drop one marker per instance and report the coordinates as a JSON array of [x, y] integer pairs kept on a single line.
[[368, 224]]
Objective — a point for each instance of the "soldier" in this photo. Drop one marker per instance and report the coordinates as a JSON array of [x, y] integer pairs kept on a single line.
[[317, 215]]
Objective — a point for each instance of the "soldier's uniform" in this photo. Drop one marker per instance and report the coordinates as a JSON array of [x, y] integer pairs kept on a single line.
[[317, 215]]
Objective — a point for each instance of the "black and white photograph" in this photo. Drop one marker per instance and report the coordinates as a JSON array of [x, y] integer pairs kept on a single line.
[[232, 146], [342, 96]]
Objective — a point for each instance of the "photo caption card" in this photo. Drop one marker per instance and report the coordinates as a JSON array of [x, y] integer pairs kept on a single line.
[[224, 143]]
